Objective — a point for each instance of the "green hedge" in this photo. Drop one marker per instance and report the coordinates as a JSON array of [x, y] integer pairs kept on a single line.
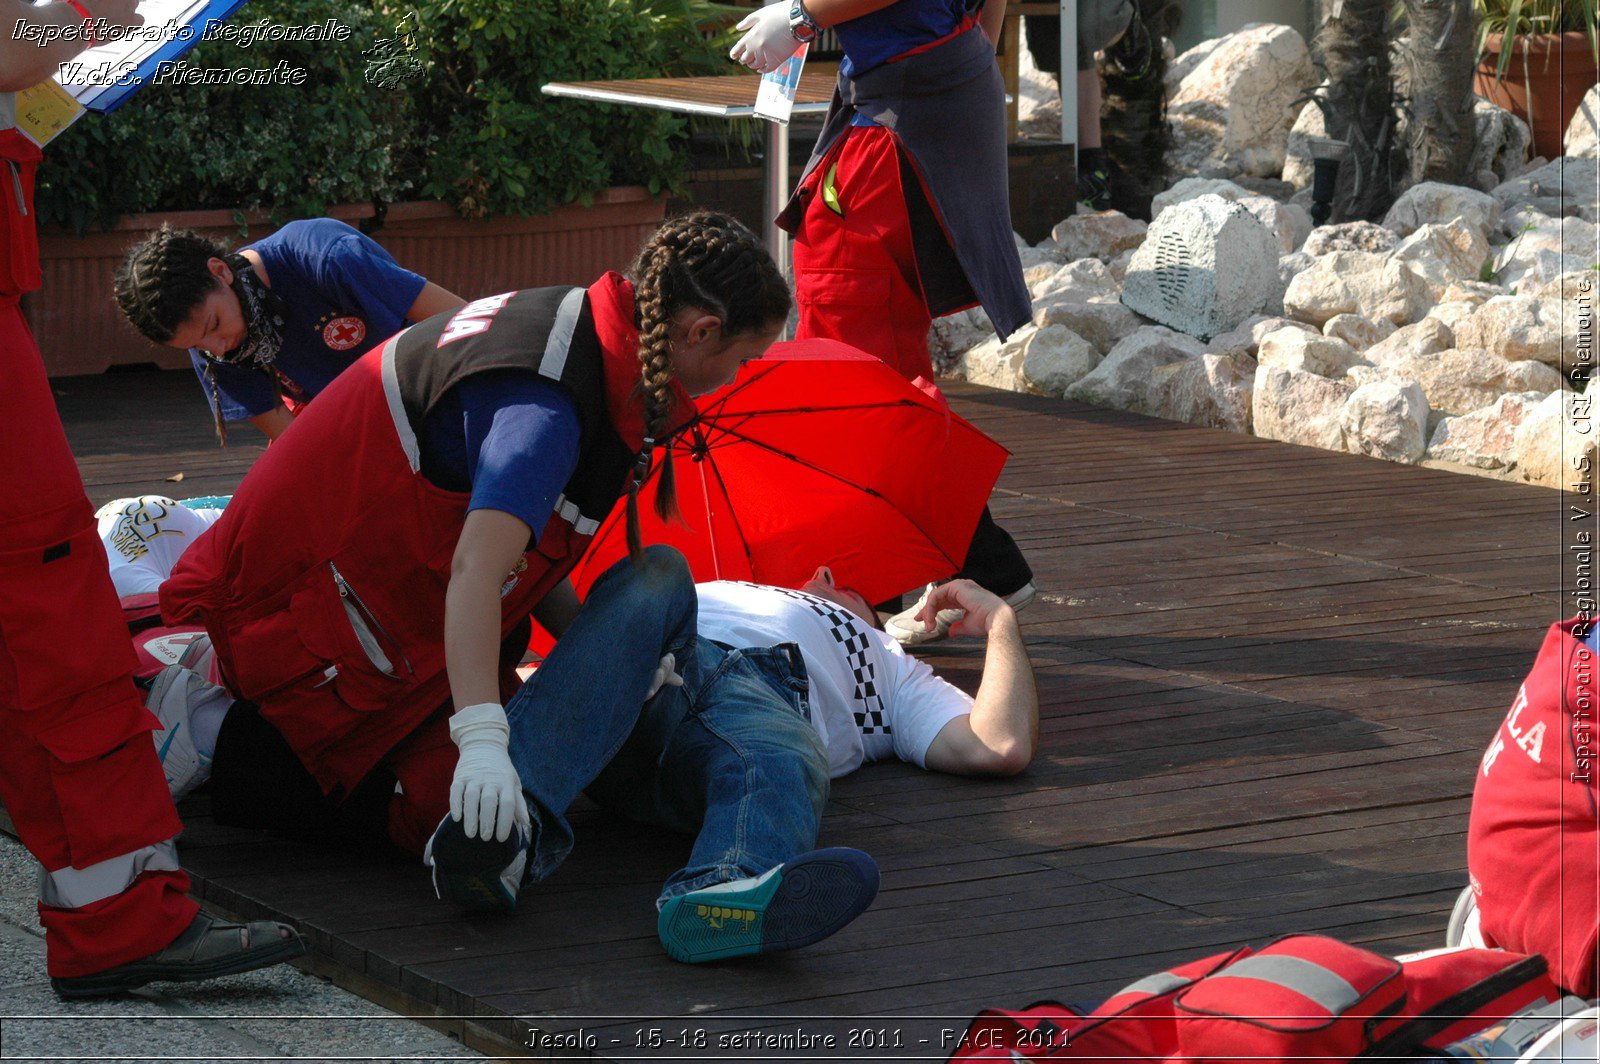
[[470, 127]]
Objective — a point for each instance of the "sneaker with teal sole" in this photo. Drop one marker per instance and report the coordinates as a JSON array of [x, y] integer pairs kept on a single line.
[[802, 901], [482, 875]]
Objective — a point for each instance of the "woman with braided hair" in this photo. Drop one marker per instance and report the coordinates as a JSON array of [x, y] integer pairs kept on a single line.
[[271, 325], [462, 468]]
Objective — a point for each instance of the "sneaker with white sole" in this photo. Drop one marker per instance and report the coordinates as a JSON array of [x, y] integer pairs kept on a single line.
[[175, 694], [803, 900], [905, 629], [483, 875]]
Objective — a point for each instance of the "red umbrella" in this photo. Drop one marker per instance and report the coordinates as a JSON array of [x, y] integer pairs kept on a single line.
[[817, 454]]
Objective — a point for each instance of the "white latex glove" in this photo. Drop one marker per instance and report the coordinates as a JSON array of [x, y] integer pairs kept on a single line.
[[665, 676], [485, 795], [767, 41]]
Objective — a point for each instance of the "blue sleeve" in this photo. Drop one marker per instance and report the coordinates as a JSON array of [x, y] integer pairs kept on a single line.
[[522, 437], [361, 273], [244, 392]]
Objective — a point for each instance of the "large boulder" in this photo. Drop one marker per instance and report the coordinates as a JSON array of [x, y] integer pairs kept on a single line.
[[1289, 223], [1433, 202], [1309, 124], [1206, 266], [1080, 281], [1232, 111], [1517, 327], [1213, 390], [1360, 333], [1307, 352], [1096, 235], [1298, 407], [1123, 378], [1555, 440], [1354, 282], [997, 363], [1484, 438], [1386, 419], [1583, 132], [1445, 253], [1053, 359], [1102, 324], [953, 336], [1459, 382], [1543, 248], [1349, 236], [1427, 337], [1451, 314], [1563, 187]]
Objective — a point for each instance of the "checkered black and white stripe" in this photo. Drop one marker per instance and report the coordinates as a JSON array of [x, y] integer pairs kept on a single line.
[[847, 631]]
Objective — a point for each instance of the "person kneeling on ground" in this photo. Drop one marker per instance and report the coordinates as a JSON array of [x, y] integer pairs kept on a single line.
[[775, 692], [1532, 837]]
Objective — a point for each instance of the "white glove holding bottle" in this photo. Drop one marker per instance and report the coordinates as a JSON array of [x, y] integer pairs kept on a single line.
[[767, 41], [486, 794]]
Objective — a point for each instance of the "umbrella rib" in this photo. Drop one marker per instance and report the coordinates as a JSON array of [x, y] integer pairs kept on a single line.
[[733, 516]]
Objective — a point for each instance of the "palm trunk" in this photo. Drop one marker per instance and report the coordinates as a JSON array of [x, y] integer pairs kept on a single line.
[[1439, 51], [1353, 48]]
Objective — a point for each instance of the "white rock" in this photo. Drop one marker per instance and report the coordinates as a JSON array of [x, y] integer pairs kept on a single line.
[[1298, 407], [1292, 265], [1436, 202], [1447, 253], [997, 363], [1354, 282], [1118, 266], [953, 336], [1206, 266], [1307, 352], [1556, 442], [1289, 223], [1123, 379], [1039, 259], [1451, 315], [1583, 132], [1516, 327], [1231, 113], [1459, 382], [1297, 165], [1213, 390], [1183, 65], [1471, 292], [1246, 336], [1427, 337], [1076, 282], [1563, 187], [1054, 358], [1097, 235], [1349, 236], [1482, 439], [1102, 324], [1360, 333], [1500, 145], [1544, 248], [1387, 419], [1569, 285]]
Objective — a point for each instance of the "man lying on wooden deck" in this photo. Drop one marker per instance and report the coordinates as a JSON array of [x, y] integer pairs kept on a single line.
[[719, 710]]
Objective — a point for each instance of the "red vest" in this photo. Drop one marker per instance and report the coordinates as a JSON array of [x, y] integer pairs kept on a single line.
[[1533, 844], [19, 240], [323, 583]]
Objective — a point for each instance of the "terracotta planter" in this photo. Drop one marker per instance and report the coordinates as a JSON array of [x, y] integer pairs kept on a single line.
[[81, 331], [1545, 90]]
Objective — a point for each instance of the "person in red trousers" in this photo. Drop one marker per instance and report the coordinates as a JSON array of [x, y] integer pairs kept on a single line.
[[79, 773]]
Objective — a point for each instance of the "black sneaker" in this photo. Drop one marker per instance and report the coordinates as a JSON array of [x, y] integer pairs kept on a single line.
[[1094, 190], [478, 874]]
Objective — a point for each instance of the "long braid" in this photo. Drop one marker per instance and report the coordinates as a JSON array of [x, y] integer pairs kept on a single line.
[[164, 279], [709, 261]]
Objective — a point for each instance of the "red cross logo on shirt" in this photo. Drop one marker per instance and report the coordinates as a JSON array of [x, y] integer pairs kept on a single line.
[[342, 334]]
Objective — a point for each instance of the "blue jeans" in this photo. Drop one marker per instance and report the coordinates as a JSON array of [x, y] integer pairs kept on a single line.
[[729, 757]]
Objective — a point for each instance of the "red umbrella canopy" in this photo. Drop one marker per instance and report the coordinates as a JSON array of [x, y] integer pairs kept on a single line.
[[817, 454]]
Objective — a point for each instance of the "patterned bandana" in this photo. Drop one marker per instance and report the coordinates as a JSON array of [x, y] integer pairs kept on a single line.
[[264, 320]]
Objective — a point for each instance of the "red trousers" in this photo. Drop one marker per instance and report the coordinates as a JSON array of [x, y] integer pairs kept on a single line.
[[78, 769], [855, 269]]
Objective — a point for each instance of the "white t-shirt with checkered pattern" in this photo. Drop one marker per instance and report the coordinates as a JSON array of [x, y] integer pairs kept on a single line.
[[869, 699]]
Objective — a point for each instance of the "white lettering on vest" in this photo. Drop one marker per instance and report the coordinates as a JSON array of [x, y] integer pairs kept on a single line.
[[473, 318], [1493, 752], [1531, 743]]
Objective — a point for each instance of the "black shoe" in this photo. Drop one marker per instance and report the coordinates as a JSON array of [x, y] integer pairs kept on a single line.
[[482, 875], [208, 948], [1094, 191]]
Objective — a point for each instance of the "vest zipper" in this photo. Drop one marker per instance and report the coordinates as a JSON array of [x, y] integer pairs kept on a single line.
[[363, 622], [16, 183]]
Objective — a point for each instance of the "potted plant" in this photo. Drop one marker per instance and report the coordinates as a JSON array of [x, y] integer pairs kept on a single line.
[[1537, 58]]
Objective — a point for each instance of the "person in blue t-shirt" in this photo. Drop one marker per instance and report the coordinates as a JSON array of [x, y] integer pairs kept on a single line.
[[273, 324]]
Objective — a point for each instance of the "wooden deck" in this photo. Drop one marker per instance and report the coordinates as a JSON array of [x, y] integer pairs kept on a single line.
[[1267, 673]]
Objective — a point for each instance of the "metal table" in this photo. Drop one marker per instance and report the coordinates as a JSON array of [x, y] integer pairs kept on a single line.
[[731, 96]]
